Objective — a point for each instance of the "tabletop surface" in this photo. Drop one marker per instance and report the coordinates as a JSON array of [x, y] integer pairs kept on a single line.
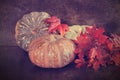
[[15, 65]]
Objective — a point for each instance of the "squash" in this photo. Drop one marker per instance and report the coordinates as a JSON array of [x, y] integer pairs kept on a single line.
[[30, 27], [75, 30], [51, 51]]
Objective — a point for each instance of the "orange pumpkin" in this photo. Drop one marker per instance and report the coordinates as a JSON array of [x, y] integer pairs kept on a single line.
[[30, 27], [51, 51]]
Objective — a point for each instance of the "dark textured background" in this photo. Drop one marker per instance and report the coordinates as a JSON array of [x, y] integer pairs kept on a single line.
[[14, 62]]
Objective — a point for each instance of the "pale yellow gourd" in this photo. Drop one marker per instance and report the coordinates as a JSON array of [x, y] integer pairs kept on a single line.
[[75, 30]]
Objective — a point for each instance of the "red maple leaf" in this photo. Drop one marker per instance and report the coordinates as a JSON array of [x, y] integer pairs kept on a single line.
[[109, 44], [97, 57], [97, 34], [79, 63], [53, 19], [83, 42], [54, 22], [96, 65], [62, 28], [55, 25], [116, 58], [93, 44]]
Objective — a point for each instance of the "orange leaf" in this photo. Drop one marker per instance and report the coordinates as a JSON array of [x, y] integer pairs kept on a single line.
[[54, 22], [62, 29], [55, 25]]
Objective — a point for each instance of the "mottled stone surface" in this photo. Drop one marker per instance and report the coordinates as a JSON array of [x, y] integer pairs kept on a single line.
[[14, 62], [15, 65]]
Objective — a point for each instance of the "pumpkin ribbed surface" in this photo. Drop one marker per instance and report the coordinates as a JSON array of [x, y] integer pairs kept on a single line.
[[30, 27], [51, 51]]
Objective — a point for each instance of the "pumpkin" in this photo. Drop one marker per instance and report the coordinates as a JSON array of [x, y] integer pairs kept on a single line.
[[51, 51], [30, 27]]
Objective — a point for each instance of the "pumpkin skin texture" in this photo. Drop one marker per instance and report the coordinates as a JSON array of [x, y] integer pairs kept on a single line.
[[51, 51], [30, 27]]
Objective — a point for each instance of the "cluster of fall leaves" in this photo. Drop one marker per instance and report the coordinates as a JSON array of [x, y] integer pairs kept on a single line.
[[93, 47]]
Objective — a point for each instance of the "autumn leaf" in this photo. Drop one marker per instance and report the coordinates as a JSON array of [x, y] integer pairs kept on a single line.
[[116, 58], [56, 26], [97, 58], [53, 19], [79, 62], [84, 40], [78, 65], [62, 29], [109, 44], [99, 32], [53, 23], [95, 46], [92, 55], [96, 65]]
